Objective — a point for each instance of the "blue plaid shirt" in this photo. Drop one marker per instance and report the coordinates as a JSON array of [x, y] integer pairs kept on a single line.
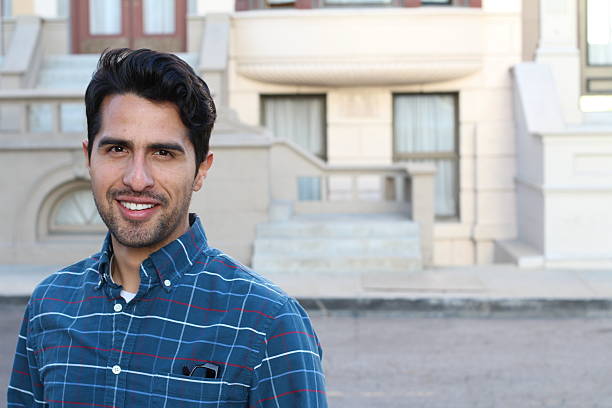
[[82, 345]]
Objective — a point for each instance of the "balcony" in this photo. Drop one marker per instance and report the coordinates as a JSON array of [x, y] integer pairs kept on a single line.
[[358, 47]]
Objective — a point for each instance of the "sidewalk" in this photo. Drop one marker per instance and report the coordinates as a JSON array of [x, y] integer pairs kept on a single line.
[[478, 290]]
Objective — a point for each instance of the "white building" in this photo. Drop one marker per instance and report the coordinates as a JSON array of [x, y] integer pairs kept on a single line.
[[362, 101]]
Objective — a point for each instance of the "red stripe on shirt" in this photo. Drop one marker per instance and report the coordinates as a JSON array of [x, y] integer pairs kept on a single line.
[[289, 332]]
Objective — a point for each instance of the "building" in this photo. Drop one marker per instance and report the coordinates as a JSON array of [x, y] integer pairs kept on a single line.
[[450, 130]]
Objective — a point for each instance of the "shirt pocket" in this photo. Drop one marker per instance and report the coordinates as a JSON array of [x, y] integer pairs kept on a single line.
[[173, 391]]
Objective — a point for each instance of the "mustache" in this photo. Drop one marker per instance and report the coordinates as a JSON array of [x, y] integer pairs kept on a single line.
[[112, 194]]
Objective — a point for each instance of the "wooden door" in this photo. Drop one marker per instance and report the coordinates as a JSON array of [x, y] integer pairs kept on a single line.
[[155, 24]]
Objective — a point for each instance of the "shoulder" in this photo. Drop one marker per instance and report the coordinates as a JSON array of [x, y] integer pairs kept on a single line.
[[239, 278], [67, 280]]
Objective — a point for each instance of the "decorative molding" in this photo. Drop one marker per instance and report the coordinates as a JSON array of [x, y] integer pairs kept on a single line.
[[360, 73]]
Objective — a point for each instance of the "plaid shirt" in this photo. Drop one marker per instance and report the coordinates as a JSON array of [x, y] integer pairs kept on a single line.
[[82, 345]]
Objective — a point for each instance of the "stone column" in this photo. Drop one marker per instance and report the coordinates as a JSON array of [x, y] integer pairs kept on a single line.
[[422, 176], [558, 47], [214, 55]]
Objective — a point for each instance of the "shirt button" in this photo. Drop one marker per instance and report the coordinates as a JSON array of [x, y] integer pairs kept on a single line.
[[118, 307], [116, 369], [167, 282]]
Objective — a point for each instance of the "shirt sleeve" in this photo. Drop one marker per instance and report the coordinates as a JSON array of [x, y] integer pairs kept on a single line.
[[289, 372], [25, 388]]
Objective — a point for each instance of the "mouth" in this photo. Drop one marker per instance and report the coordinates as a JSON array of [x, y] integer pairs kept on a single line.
[[137, 211]]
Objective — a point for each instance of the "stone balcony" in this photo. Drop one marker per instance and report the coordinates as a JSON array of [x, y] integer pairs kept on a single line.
[[358, 47]]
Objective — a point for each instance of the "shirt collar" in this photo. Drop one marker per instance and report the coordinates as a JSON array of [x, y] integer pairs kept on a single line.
[[166, 265]]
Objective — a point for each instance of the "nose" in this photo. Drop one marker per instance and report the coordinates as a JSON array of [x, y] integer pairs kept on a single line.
[[137, 175]]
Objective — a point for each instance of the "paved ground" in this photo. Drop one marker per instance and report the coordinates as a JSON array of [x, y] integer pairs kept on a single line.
[[378, 360], [488, 282]]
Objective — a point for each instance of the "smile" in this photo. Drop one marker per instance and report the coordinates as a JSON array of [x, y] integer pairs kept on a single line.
[[136, 206]]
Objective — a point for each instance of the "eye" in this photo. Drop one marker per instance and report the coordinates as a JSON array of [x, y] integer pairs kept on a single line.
[[163, 153], [116, 149]]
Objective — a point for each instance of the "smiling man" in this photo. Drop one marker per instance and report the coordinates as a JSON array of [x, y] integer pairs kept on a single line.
[[158, 317]]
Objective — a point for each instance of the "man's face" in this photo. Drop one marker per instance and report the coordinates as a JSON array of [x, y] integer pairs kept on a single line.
[[142, 168]]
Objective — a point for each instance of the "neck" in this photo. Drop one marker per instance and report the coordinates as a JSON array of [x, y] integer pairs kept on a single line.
[[127, 260]]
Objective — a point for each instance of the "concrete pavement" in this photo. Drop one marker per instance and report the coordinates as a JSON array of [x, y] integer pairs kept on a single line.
[[470, 290]]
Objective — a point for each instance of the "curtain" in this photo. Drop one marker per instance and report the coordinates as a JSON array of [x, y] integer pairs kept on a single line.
[[426, 124], [158, 16], [104, 17], [300, 119]]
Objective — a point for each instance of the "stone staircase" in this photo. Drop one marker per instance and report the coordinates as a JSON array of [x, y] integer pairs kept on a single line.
[[73, 71], [336, 245]]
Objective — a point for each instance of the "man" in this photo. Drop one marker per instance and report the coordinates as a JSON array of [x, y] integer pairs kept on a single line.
[[159, 318]]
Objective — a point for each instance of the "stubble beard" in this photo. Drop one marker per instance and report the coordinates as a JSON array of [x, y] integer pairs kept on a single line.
[[139, 234]]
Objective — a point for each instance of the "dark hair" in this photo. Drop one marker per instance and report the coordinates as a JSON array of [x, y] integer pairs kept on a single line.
[[155, 76]]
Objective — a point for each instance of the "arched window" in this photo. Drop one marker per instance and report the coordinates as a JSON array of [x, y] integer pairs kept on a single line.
[[75, 212]]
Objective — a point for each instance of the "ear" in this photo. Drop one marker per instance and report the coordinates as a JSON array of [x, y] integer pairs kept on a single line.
[[203, 171], [85, 152]]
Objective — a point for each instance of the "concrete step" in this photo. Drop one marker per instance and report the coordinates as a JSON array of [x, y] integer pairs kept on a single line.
[[323, 229], [73, 71], [314, 247], [268, 264], [338, 245]]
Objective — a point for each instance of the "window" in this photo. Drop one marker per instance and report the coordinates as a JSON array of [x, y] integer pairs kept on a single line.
[[425, 129], [104, 17], [596, 46], [299, 118], [63, 8], [7, 8], [75, 212], [159, 16], [192, 7]]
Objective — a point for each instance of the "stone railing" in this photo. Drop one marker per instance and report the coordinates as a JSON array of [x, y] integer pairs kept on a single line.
[[303, 184], [27, 112]]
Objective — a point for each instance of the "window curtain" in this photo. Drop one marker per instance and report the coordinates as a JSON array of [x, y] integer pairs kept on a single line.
[[159, 16], [426, 124], [299, 119], [104, 17], [599, 32]]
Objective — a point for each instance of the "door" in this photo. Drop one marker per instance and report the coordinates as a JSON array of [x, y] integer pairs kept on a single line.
[[155, 24]]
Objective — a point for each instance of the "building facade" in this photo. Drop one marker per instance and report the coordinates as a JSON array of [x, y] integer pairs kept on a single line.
[[425, 111]]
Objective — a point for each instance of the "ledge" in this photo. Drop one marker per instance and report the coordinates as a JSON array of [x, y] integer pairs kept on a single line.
[[377, 72], [358, 48]]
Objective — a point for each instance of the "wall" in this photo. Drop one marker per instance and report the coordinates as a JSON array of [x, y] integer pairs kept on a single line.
[[234, 199]]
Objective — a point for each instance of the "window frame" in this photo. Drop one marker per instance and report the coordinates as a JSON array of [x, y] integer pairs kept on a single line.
[[262, 113], [454, 156]]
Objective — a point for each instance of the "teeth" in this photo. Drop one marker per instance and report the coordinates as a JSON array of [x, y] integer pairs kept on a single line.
[[135, 206]]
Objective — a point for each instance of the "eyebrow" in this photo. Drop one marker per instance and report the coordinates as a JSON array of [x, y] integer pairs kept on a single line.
[[167, 146], [107, 140]]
